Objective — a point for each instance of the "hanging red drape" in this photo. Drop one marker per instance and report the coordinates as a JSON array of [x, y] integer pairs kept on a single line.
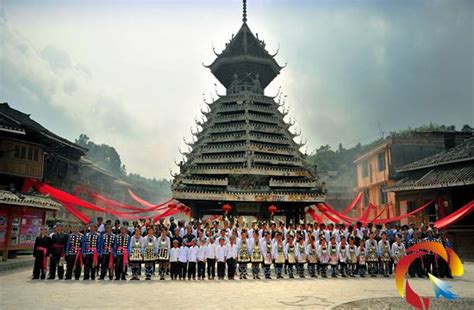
[[315, 217], [70, 200], [115, 204], [112, 203], [354, 202], [455, 216], [381, 212], [393, 219], [76, 213], [366, 213], [140, 200]]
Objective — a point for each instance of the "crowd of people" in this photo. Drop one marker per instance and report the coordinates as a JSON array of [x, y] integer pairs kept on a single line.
[[206, 249]]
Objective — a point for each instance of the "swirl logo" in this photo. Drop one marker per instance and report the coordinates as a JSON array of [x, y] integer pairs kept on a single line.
[[440, 287]]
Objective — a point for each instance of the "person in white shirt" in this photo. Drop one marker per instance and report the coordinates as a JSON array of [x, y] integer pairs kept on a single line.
[[232, 252], [174, 253], [398, 250], [192, 259], [201, 260], [221, 256], [183, 261], [211, 259]]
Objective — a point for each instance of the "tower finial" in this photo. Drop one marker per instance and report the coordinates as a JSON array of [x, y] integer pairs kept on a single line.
[[244, 18]]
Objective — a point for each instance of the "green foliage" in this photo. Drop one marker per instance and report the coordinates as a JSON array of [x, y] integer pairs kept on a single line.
[[108, 158], [104, 155]]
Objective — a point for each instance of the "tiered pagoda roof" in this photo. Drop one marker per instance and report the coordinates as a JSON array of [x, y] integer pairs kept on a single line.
[[245, 150]]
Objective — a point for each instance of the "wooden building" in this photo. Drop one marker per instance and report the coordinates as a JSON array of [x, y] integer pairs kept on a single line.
[[448, 179], [376, 168], [28, 150], [244, 153]]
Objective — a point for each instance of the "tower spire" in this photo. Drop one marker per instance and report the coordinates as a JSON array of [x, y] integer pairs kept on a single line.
[[244, 15]]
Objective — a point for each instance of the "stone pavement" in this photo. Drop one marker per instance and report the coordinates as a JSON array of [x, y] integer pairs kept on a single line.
[[18, 291], [21, 261]]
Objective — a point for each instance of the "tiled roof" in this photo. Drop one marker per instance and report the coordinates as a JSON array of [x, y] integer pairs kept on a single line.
[[461, 174], [245, 43], [460, 153], [36, 201], [22, 121]]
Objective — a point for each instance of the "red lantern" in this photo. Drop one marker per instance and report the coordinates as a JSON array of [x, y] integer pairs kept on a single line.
[[272, 209], [226, 208]]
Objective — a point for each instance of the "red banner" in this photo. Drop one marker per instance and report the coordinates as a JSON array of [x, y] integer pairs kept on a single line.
[[455, 216], [351, 206], [394, 219]]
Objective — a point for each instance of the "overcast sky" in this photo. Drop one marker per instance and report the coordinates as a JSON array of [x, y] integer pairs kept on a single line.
[[130, 74]]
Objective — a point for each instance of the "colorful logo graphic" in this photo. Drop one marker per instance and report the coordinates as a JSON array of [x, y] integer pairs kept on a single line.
[[440, 287]]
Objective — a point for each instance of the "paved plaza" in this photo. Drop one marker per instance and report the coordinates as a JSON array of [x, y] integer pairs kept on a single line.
[[18, 291]]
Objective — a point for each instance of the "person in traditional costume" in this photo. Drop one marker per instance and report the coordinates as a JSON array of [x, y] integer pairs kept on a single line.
[[343, 256], [149, 249], [416, 267], [398, 250], [174, 264], [278, 255], [267, 252], [385, 254], [74, 253], [57, 252], [221, 257], [107, 253], [136, 253], [192, 259], [444, 270], [351, 257], [362, 259], [201, 258], [256, 255], [231, 256], [323, 257], [312, 255], [333, 256], [121, 253], [290, 254], [91, 251], [40, 253], [163, 252], [243, 257], [300, 253], [372, 249]]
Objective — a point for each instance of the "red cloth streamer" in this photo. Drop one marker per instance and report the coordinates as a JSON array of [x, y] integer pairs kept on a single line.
[[139, 200], [366, 213], [115, 204], [112, 203], [125, 256], [78, 257], [69, 201], [393, 219], [45, 257], [315, 217], [381, 212], [354, 202], [455, 216], [76, 213]]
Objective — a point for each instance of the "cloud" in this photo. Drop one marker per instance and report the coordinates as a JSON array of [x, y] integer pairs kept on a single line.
[[129, 74]]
